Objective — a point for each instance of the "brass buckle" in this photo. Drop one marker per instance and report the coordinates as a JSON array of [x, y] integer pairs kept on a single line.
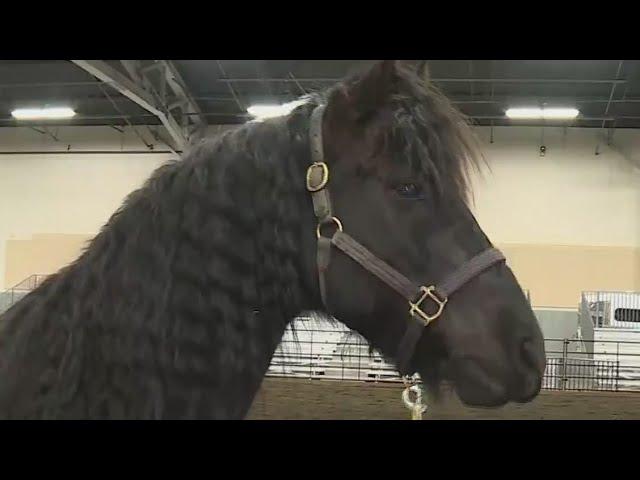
[[324, 169], [335, 220], [416, 308]]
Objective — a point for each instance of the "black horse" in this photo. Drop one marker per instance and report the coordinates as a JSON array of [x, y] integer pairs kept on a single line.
[[176, 307]]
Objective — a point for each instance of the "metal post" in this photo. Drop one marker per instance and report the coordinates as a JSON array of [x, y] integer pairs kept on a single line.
[[311, 358], [359, 357], [565, 351], [617, 364]]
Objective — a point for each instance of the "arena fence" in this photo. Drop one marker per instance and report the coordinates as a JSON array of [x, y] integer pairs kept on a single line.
[[15, 293], [317, 349], [592, 365]]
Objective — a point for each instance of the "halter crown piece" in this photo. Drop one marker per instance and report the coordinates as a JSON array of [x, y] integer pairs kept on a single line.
[[417, 296]]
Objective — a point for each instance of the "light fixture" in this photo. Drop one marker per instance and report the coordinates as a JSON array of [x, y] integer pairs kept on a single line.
[[546, 113], [262, 112], [42, 113], [561, 113]]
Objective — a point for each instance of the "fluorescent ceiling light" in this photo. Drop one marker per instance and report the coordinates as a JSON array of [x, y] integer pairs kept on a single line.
[[42, 113], [560, 113], [262, 112], [547, 113]]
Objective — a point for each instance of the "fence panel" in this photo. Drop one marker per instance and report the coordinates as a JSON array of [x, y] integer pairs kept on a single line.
[[324, 350]]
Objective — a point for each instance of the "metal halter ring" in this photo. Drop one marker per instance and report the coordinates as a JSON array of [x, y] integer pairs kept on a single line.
[[418, 407], [335, 220], [417, 389], [324, 179], [416, 308]]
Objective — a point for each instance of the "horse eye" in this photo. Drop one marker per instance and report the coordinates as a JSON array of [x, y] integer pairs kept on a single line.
[[409, 190]]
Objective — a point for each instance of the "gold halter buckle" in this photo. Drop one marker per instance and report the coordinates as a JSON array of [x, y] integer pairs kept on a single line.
[[315, 184], [416, 308]]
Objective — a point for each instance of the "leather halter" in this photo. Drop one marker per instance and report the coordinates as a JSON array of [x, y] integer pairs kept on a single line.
[[417, 296]]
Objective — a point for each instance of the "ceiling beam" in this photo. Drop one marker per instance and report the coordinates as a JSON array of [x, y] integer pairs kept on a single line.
[[179, 88], [438, 80], [46, 84], [307, 80], [136, 93], [478, 99], [163, 79], [98, 100], [613, 90]]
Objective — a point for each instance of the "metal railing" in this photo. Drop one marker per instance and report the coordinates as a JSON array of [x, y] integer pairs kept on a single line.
[[30, 283], [574, 364], [331, 354], [325, 351], [317, 347], [15, 293]]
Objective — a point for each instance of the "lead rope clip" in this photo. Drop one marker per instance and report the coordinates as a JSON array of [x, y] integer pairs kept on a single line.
[[417, 407]]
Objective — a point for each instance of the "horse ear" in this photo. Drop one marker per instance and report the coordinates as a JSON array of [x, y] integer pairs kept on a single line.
[[419, 68], [360, 98], [423, 70]]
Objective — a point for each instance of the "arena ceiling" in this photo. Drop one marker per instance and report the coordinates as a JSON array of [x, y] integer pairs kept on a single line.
[[184, 95]]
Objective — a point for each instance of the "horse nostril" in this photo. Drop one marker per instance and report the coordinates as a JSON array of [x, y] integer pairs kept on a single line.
[[530, 354], [529, 376]]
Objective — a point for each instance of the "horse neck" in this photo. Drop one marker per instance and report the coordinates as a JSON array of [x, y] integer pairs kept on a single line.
[[249, 280], [180, 301], [258, 267]]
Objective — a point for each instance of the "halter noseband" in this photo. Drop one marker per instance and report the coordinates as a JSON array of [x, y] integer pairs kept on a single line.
[[317, 180]]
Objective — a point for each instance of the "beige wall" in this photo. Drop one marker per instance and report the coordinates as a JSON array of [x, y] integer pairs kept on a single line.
[[41, 253], [568, 197], [50, 203], [569, 221], [556, 274]]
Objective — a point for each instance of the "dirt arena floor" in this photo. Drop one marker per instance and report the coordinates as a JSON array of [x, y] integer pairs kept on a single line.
[[302, 399]]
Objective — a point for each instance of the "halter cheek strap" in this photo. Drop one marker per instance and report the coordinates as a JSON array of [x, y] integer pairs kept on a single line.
[[317, 179]]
